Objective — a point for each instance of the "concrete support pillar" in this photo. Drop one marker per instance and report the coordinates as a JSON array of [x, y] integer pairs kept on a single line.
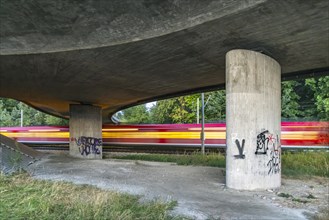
[[86, 131], [253, 121]]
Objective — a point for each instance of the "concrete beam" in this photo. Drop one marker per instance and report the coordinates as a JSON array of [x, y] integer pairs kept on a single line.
[[253, 116], [86, 131]]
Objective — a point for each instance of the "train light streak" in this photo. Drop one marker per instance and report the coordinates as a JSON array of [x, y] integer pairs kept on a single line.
[[39, 135], [304, 134], [207, 129], [120, 129], [44, 130]]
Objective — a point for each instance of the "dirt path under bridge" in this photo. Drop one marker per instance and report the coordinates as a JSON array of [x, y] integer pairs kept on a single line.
[[199, 191]]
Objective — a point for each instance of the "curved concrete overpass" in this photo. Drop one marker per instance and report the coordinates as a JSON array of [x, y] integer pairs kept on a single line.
[[114, 54]]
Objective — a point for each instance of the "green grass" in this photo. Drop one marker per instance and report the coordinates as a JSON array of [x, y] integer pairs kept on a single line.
[[304, 164], [197, 159], [296, 164], [285, 195], [22, 197]]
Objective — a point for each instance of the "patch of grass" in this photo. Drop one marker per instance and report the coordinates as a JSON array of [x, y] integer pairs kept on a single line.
[[310, 196], [25, 198], [299, 200], [285, 195], [298, 164], [197, 159]]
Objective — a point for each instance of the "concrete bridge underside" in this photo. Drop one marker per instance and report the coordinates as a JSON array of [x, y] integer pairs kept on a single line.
[[114, 54]]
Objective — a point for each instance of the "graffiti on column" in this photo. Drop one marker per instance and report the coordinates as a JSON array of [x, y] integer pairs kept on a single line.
[[269, 143], [88, 145], [274, 162], [262, 142], [240, 148]]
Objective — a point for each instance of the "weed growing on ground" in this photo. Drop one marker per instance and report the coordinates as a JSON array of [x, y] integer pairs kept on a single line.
[[285, 195], [310, 196], [299, 200], [299, 164], [25, 198]]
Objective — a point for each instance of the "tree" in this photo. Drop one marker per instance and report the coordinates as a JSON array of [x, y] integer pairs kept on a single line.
[[11, 115], [5, 117], [135, 115], [320, 88], [176, 110], [52, 120], [184, 109], [290, 107], [161, 112], [215, 109]]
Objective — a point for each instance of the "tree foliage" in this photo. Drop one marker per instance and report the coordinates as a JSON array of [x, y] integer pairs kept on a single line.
[[175, 110], [320, 89], [184, 109], [11, 115], [135, 115], [215, 110], [290, 107]]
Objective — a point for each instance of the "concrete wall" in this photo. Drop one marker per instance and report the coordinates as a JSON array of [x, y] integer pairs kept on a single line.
[[86, 131], [15, 156], [253, 117]]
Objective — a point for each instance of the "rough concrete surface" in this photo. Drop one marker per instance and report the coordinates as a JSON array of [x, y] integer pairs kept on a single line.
[[115, 54], [16, 156], [253, 81], [199, 191]]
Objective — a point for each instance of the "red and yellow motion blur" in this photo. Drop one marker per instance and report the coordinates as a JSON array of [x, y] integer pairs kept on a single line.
[[293, 135]]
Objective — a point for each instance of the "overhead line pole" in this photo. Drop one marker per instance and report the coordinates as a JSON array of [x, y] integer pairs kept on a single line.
[[22, 118], [202, 125], [197, 111]]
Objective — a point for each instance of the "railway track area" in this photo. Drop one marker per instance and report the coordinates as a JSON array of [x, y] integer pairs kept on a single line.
[[163, 149], [130, 149]]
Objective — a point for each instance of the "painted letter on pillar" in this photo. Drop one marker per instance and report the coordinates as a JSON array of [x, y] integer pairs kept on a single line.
[[88, 145], [240, 148]]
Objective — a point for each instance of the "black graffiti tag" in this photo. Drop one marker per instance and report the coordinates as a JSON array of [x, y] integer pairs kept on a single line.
[[240, 148], [274, 163], [262, 142], [88, 145], [267, 142]]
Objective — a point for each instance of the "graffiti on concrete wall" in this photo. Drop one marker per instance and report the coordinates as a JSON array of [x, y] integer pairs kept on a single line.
[[269, 144], [88, 145], [262, 142], [275, 154], [240, 148]]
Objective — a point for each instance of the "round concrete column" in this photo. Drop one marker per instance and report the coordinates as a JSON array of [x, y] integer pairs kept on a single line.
[[253, 121], [86, 131]]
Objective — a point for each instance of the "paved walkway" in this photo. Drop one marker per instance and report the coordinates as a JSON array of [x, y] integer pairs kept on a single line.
[[199, 191]]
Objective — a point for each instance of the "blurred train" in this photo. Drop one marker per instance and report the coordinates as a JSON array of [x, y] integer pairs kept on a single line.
[[293, 135]]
